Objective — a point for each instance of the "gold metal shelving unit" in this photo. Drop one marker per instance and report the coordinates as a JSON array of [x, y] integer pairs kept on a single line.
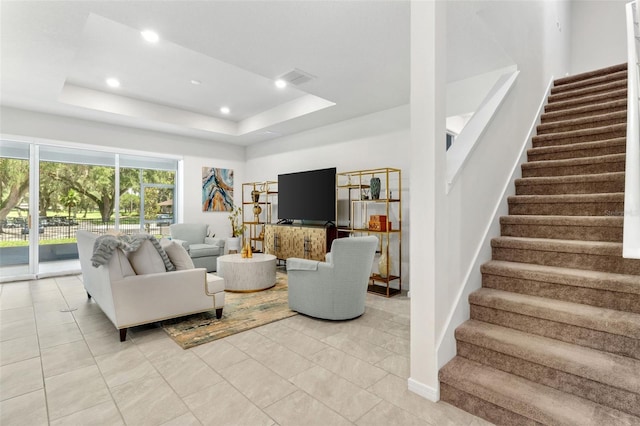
[[257, 195], [353, 191]]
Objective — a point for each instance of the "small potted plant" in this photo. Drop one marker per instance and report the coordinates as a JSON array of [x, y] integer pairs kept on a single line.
[[237, 229]]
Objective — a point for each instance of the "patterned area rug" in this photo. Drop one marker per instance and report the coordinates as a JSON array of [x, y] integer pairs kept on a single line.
[[242, 311]]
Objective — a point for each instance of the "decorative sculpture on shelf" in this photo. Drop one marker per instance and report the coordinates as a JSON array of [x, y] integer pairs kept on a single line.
[[255, 196], [383, 264]]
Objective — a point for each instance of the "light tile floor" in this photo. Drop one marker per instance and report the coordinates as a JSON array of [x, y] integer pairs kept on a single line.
[[61, 363]]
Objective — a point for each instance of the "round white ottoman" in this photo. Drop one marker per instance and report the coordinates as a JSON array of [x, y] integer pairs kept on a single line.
[[249, 274]]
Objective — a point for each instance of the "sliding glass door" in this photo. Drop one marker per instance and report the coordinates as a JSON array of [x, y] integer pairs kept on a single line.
[[48, 193], [76, 191], [15, 226]]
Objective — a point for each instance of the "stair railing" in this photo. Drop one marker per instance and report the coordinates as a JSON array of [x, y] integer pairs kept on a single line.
[[631, 236]]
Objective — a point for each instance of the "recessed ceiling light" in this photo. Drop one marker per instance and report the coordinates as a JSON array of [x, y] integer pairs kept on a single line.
[[113, 82], [225, 110], [281, 84], [195, 82], [150, 36]]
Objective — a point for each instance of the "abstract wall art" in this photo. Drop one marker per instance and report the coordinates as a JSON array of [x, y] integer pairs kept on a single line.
[[217, 189]]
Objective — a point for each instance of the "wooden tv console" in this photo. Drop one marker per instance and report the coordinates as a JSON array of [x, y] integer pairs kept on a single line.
[[306, 242]]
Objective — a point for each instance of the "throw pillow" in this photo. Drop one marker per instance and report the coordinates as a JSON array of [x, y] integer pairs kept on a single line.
[[177, 254], [146, 260]]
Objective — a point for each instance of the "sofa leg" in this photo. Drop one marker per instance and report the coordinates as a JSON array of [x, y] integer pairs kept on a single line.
[[88, 295], [123, 334], [219, 313]]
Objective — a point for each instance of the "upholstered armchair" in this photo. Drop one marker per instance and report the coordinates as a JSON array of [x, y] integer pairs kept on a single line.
[[204, 250], [135, 288], [335, 289]]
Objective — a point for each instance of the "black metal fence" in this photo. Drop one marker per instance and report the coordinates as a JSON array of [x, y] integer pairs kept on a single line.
[[53, 228]]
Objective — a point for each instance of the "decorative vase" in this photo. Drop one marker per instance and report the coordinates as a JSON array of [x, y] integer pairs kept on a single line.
[[249, 251], [383, 265], [375, 188], [243, 252], [255, 195]]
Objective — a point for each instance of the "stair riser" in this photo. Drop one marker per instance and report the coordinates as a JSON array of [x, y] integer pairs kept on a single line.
[[481, 408], [589, 91], [591, 262], [593, 81], [588, 296], [600, 393], [594, 339], [616, 95], [552, 117], [544, 141], [564, 232], [557, 128], [599, 187], [581, 169], [596, 149], [566, 209]]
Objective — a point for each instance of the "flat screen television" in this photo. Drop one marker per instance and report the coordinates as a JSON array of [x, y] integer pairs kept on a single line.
[[308, 195]]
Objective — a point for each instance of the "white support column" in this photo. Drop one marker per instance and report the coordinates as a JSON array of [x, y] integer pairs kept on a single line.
[[427, 189]]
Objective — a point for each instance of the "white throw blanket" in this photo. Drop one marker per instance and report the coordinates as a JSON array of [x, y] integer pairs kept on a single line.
[[105, 245]]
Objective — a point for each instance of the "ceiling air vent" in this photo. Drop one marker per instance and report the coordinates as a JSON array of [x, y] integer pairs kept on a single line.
[[297, 77]]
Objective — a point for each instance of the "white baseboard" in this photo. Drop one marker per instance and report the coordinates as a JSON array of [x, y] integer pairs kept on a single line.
[[423, 390]]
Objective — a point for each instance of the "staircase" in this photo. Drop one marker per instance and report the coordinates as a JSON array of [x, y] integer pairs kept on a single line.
[[554, 334]]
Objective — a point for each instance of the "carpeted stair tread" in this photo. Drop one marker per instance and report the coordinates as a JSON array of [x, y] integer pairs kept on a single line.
[[575, 166], [591, 74], [573, 184], [578, 150], [541, 404], [582, 135], [569, 205], [593, 255], [595, 80], [622, 283], [604, 248], [613, 95], [575, 94], [612, 370], [590, 121], [570, 198], [604, 289], [585, 110], [595, 318], [591, 326], [591, 228]]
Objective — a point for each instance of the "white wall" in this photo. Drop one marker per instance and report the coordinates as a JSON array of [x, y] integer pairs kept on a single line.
[[376, 140], [597, 34], [196, 153], [464, 96], [532, 35]]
